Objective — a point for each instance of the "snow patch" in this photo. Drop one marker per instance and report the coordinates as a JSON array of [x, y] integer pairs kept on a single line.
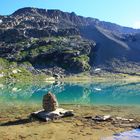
[[1, 21], [97, 69], [98, 89]]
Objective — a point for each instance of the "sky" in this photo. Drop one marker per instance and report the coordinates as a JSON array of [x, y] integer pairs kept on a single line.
[[122, 12]]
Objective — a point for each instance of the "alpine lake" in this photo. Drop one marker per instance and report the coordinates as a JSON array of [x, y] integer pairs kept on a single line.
[[17, 101]]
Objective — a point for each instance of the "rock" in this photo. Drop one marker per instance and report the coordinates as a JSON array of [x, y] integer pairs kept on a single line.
[[1, 74], [50, 79], [124, 119], [102, 118], [15, 89], [99, 118], [15, 71], [115, 121], [53, 115], [50, 102], [97, 70]]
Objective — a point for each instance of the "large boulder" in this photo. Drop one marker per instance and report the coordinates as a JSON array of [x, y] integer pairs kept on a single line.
[[50, 102]]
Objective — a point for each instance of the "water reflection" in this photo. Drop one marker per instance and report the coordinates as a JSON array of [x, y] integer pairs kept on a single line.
[[89, 93]]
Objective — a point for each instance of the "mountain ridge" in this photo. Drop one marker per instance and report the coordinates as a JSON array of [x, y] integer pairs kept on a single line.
[[91, 20]]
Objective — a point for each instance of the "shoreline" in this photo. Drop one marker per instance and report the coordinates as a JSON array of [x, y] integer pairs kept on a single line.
[[77, 78], [102, 78], [17, 125]]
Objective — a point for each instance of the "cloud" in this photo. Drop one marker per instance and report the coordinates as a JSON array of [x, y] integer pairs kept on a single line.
[[136, 24]]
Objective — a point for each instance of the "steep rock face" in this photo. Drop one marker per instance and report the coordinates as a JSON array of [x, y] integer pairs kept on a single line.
[[52, 38]]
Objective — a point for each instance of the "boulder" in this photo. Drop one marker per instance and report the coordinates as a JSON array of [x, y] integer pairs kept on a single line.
[[50, 102]]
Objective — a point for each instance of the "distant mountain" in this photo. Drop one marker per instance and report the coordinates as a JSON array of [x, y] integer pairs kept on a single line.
[[54, 41]]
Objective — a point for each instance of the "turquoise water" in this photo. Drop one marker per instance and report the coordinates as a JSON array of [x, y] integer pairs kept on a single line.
[[66, 93]]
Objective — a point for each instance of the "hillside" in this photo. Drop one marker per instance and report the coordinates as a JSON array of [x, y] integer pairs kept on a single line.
[[56, 42]]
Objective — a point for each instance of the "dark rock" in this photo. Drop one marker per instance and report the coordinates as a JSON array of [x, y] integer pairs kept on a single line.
[[12, 36]]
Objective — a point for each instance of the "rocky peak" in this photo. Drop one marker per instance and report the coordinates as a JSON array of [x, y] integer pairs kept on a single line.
[[26, 11], [57, 15]]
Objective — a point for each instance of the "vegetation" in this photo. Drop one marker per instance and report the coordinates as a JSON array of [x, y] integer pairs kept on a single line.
[[83, 60], [12, 72], [4, 63]]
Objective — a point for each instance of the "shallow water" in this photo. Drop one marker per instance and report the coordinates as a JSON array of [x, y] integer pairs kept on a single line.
[[114, 94]]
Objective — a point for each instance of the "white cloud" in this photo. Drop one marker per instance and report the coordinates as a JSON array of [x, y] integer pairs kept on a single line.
[[136, 24]]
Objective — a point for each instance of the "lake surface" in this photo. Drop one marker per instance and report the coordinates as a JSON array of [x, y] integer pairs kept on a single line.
[[115, 93]]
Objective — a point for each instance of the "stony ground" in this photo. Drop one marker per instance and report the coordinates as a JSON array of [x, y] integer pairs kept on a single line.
[[15, 124]]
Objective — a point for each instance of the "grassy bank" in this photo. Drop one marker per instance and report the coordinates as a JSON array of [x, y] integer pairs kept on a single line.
[[12, 72]]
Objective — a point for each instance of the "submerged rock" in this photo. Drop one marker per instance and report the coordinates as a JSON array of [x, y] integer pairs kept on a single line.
[[50, 102]]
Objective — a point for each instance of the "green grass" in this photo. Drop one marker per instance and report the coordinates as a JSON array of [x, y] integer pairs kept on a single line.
[[81, 58], [70, 51], [84, 60], [3, 63], [22, 75]]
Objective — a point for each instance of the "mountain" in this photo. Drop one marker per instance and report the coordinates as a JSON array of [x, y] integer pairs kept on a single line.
[[57, 42]]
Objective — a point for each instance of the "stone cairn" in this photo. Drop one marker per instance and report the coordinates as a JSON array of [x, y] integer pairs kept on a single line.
[[50, 102]]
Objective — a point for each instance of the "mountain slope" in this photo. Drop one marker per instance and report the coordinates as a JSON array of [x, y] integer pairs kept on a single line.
[[53, 41], [112, 49]]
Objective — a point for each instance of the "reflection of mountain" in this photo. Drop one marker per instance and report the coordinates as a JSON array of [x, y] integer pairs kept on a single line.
[[28, 92], [116, 93]]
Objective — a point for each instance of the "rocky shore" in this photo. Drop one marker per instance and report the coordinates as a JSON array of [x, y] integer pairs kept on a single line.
[[15, 123]]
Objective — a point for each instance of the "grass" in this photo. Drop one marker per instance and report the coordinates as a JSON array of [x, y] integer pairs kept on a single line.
[[84, 60], [21, 75], [81, 58]]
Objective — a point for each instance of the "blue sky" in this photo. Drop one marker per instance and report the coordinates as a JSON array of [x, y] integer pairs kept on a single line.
[[123, 12]]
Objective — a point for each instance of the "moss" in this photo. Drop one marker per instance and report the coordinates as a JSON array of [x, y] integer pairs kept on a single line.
[[24, 54], [83, 61], [22, 76], [13, 64], [44, 48], [70, 51], [54, 38], [4, 63], [34, 40], [81, 58], [33, 52], [36, 51]]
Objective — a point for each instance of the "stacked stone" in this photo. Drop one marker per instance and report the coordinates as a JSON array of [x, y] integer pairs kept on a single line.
[[50, 102]]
